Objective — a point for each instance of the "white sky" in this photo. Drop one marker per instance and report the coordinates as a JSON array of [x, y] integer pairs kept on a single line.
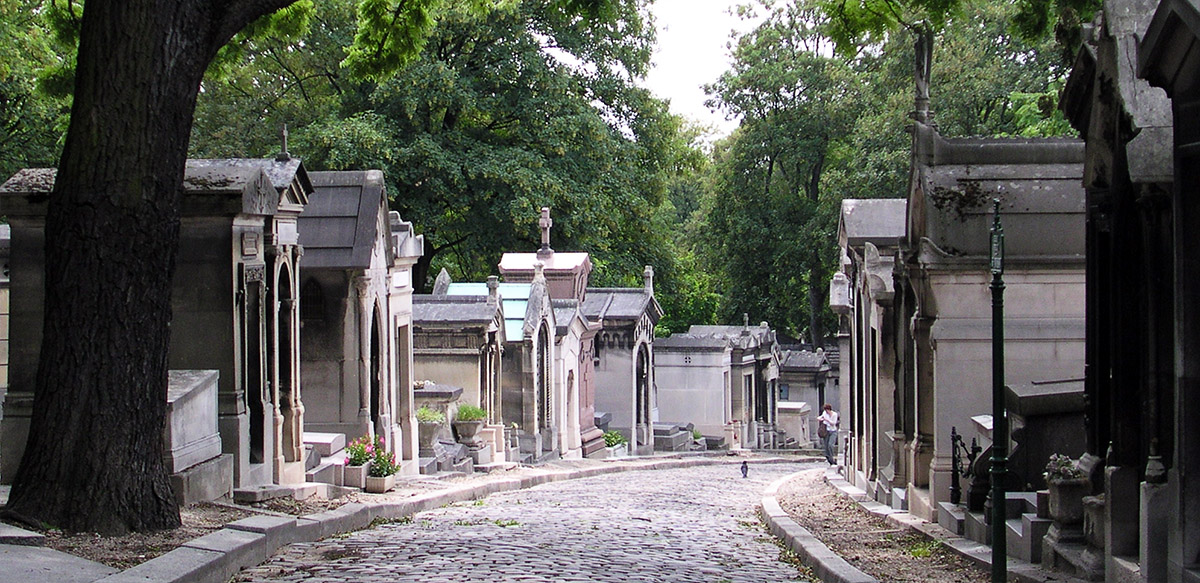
[[692, 40]]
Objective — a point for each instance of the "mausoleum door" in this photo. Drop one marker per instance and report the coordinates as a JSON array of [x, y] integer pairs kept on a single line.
[[376, 372], [642, 395], [288, 410], [543, 381], [253, 364]]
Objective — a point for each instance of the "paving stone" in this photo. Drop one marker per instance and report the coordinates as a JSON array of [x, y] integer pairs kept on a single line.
[[695, 523]]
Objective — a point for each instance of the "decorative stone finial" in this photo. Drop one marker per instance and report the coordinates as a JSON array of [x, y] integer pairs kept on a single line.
[[539, 271], [441, 285], [283, 155], [544, 223], [493, 284], [648, 279]]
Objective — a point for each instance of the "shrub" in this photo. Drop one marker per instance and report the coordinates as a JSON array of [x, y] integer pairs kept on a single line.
[[612, 438], [696, 434], [471, 413], [427, 415]]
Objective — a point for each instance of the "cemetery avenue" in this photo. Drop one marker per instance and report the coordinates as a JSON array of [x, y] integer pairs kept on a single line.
[[692, 524]]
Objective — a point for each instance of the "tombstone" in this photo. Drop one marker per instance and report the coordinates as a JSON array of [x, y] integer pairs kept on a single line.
[[192, 452]]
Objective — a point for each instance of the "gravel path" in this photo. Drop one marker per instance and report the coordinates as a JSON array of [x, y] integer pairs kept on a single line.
[[872, 544]]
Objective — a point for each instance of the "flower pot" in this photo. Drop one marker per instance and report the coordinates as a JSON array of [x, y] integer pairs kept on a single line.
[[1066, 500], [380, 485], [427, 432], [354, 476], [468, 431]]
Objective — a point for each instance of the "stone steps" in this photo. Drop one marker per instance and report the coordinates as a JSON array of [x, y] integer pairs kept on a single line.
[[1024, 536]]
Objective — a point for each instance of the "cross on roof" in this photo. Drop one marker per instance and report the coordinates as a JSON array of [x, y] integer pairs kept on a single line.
[[545, 222]]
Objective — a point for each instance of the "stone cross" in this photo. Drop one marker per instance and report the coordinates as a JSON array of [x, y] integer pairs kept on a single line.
[[545, 222], [283, 154]]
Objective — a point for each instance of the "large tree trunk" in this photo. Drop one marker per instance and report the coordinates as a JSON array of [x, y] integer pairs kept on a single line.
[[93, 461]]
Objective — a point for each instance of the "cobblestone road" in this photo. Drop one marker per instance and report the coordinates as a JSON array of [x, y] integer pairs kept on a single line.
[[695, 524]]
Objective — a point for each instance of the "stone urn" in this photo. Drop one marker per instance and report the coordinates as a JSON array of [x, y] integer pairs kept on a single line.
[[381, 484], [1066, 500], [468, 431], [427, 433]]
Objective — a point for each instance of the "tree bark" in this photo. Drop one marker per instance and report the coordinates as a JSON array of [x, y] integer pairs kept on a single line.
[[93, 461]]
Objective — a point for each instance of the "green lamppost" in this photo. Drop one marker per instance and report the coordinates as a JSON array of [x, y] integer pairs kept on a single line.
[[999, 420]]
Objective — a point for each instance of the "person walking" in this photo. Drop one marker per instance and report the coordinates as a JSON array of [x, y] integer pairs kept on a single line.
[[745, 469], [827, 431]]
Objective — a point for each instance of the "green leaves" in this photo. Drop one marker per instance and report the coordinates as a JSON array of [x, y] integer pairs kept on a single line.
[[391, 33]]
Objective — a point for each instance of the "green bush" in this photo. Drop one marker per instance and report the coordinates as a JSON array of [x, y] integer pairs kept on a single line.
[[427, 415], [612, 438], [471, 413], [696, 434]]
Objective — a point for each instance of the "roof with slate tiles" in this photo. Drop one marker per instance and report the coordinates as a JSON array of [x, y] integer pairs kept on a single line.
[[341, 223], [431, 310]]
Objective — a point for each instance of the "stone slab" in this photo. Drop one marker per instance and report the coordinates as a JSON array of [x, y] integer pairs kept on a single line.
[[951, 517], [190, 434], [261, 493], [327, 472], [11, 535], [325, 443], [27, 564], [204, 482], [277, 530], [182, 565], [348, 517], [240, 548]]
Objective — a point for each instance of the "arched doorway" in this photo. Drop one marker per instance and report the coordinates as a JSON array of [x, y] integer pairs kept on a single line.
[[543, 381], [642, 397], [286, 392], [375, 370], [253, 373]]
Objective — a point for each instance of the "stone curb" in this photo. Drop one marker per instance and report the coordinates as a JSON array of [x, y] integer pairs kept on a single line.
[[218, 556], [977, 553], [827, 565]]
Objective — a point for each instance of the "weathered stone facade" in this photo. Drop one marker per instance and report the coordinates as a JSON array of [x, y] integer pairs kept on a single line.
[[234, 305], [356, 312], [724, 380]]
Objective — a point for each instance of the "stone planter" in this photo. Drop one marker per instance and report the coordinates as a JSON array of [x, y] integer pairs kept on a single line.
[[427, 432], [355, 476], [619, 450], [380, 485], [1066, 500], [468, 431]]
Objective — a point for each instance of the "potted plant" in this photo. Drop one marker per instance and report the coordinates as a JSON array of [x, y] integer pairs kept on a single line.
[[1067, 486], [429, 423], [381, 475], [616, 444], [358, 457], [468, 422]]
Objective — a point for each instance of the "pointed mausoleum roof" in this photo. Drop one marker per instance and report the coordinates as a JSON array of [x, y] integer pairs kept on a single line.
[[342, 220]]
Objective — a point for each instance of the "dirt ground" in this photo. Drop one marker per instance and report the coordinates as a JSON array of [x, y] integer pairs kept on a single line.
[[123, 552], [870, 543]]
